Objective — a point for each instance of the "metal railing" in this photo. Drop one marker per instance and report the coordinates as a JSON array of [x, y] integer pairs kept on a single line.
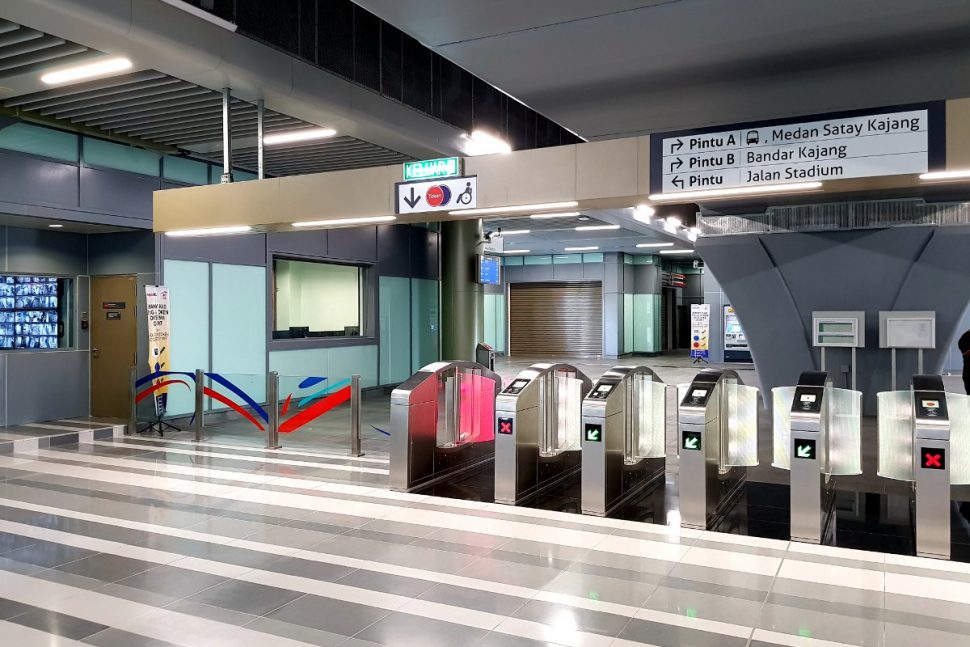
[[266, 414]]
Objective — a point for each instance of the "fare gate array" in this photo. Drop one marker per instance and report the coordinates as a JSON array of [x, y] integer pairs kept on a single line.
[[539, 431], [624, 420], [924, 437], [442, 422], [817, 437], [718, 432]]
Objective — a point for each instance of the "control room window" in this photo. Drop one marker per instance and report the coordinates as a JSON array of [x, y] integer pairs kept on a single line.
[[315, 299]]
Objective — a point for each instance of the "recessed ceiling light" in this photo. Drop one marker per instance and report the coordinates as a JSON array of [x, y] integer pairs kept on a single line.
[[676, 251], [644, 245], [596, 227], [209, 231], [483, 143], [103, 67], [643, 213], [542, 206], [55, 226], [302, 135], [365, 220], [580, 249], [515, 232], [550, 216], [517, 251], [740, 191]]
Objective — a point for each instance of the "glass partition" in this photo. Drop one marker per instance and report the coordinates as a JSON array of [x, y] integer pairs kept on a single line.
[[959, 408], [742, 424], [844, 432], [781, 402], [304, 399], [895, 412], [649, 423]]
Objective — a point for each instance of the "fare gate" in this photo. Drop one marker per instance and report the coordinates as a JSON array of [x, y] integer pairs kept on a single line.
[[817, 437], [538, 424], [623, 448], [924, 437], [718, 438], [442, 422]]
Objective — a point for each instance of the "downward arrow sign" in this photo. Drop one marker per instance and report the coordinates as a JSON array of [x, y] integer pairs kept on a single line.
[[803, 451], [413, 199]]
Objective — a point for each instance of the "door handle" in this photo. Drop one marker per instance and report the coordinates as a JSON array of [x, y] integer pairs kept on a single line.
[[95, 351]]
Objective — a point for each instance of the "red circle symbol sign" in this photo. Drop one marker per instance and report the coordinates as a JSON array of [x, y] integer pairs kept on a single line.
[[438, 195]]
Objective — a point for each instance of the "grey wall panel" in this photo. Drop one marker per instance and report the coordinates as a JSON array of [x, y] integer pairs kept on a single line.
[[83, 296], [3, 388], [394, 250], [568, 272], [594, 271], [121, 253], [117, 192], [629, 278], [245, 249], [494, 289], [47, 385], [424, 253], [513, 273], [530, 273], [299, 243], [28, 179], [612, 324], [354, 244], [646, 279], [44, 251], [612, 272]]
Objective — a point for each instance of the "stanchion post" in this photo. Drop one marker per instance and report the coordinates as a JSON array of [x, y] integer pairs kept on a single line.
[[355, 416], [273, 402], [199, 411], [133, 412]]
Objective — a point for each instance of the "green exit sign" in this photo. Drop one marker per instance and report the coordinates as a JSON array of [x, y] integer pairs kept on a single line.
[[594, 433], [428, 169]]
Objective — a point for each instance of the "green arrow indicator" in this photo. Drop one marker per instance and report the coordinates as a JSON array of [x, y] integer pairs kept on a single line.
[[804, 451], [594, 433], [691, 443]]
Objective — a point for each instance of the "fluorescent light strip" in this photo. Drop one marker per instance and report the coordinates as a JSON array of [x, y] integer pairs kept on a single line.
[[517, 251], [302, 135], [366, 220], [105, 66], [516, 209], [515, 232], [644, 245], [579, 249], [548, 216], [209, 231], [596, 227], [736, 192], [676, 251], [945, 175]]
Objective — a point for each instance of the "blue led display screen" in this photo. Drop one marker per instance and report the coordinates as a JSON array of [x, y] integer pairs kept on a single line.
[[489, 270]]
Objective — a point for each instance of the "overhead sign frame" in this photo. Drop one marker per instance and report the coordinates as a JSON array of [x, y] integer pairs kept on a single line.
[[935, 154], [436, 195]]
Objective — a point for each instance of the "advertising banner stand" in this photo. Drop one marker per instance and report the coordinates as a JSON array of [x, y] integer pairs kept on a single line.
[[700, 330], [159, 341]]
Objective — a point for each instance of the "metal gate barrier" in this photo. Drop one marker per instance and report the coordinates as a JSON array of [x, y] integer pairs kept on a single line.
[[624, 421], [924, 437], [442, 421], [718, 437], [538, 420], [817, 437]]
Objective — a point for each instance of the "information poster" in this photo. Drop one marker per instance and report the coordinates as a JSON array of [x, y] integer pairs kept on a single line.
[[700, 328], [159, 338]]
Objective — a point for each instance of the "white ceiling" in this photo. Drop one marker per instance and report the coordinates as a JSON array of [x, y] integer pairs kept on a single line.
[[618, 67]]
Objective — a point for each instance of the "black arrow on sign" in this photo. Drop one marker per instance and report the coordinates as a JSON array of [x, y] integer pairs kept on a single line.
[[677, 182], [413, 200], [676, 147], [676, 165]]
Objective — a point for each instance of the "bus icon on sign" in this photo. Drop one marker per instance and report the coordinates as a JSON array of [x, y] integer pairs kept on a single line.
[[752, 137]]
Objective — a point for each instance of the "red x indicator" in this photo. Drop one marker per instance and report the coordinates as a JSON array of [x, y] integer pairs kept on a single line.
[[933, 458], [505, 425]]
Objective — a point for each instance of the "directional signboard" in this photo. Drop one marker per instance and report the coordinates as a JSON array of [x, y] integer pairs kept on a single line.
[[872, 145], [437, 195]]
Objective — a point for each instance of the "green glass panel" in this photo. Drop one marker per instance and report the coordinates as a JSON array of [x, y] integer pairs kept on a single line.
[[490, 320], [500, 323], [188, 284], [627, 323], [593, 258], [646, 323], [395, 330], [347, 360], [512, 260], [37, 140], [425, 323], [537, 260], [105, 154], [184, 170], [301, 363], [243, 176], [644, 259], [627, 259], [567, 259], [239, 327]]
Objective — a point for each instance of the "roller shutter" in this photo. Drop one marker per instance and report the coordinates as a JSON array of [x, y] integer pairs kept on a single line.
[[556, 319]]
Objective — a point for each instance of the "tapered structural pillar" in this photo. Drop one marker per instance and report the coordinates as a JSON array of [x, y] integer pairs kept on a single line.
[[462, 297]]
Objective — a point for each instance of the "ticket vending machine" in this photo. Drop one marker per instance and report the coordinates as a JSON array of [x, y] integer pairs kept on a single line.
[[624, 420], [538, 431], [442, 423], [924, 437], [817, 437], [718, 438]]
